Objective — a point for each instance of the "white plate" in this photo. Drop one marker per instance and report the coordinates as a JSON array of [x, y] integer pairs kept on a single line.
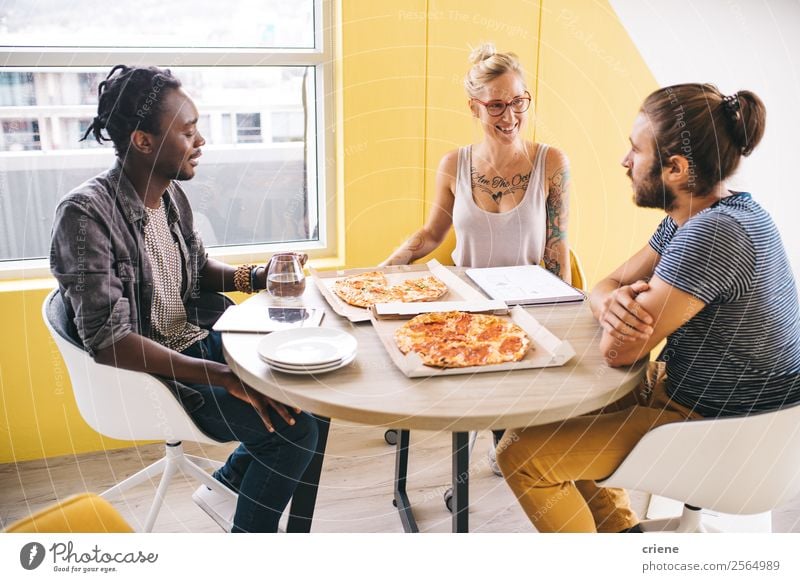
[[309, 367], [310, 346], [313, 371]]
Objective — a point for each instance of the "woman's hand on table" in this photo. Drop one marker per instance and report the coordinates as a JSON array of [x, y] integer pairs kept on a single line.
[[623, 317]]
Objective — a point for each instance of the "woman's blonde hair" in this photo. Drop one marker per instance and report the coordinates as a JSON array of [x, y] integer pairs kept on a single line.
[[487, 65]]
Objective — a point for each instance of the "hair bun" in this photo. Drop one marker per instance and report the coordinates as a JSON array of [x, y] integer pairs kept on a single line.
[[485, 51], [748, 122]]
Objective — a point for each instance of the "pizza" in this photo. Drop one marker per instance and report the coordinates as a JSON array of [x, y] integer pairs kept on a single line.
[[455, 339], [423, 289], [365, 289]]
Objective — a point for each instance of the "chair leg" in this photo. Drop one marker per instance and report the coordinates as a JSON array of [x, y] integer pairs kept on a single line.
[[204, 462], [146, 474], [173, 462], [191, 469], [690, 521]]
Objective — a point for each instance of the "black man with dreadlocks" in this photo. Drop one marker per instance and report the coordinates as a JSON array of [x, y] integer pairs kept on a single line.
[[135, 280]]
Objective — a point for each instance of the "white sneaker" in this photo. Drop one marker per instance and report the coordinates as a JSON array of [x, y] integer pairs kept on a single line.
[[493, 460], [219, 506]]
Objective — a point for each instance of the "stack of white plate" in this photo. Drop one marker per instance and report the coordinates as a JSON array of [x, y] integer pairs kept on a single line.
[[308, 350]]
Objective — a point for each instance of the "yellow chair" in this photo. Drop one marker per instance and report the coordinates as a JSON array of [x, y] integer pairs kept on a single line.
[[576, 270], [82, 513]]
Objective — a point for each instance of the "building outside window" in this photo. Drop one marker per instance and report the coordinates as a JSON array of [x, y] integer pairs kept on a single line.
[[88, 83], [260, 186], [20, 135], [248, 127], [73, 129], [16, 89], [287, 126]]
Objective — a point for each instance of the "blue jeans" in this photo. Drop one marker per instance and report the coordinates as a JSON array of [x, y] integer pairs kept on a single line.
[[266, 467]]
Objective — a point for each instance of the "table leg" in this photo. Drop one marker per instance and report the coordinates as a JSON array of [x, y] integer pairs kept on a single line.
[[460, 482], [304, 499], [400, 500]]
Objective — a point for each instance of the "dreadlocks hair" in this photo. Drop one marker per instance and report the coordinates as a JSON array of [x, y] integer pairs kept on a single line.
[[129, 99]]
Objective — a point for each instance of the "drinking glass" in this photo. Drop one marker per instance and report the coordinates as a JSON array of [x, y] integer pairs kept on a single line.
[[285, 279]]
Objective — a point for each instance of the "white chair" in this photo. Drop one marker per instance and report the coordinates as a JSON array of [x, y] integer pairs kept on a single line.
[[133, 406], [741, 465]]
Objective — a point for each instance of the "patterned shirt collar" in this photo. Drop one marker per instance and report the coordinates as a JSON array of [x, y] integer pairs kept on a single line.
[[132, 204]]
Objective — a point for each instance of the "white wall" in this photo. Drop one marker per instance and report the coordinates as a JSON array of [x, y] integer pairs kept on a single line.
[[736, 45]]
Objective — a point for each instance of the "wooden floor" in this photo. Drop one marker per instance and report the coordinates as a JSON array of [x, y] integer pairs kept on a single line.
[[355, 489]]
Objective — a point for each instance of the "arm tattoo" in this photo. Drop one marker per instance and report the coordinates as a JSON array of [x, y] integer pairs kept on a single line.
[[552, 264], [406, 253], [498, 186], [416, 242], [556, 206]]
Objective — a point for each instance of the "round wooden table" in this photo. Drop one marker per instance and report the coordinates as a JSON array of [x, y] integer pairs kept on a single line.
[[372, 390]]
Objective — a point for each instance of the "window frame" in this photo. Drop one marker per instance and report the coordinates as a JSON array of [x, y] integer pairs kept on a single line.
[[321, 57]]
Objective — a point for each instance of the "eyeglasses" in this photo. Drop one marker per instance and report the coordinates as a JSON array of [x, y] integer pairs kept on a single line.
[[497, 108]]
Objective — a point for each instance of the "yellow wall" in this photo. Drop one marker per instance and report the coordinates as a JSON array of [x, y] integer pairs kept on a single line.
[[455, 27], [592, 81], [588, 80], [38, 412], [401, 107], [383, 93], [404, 106]]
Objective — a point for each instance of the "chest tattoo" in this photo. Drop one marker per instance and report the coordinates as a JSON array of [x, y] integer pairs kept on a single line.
[[498, 186]]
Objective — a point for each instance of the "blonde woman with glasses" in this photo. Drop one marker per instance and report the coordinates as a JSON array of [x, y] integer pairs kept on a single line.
[[506, 197]]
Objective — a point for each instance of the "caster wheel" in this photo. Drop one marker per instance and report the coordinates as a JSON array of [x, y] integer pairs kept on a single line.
[[448, 500], [390, 436], [394, 502]]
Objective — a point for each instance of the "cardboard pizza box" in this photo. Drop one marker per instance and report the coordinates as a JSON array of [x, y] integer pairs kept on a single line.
[[398, 310], [546, 349], [457, 288]]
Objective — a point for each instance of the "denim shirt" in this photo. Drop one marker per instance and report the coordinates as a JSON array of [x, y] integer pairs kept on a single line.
[[98, 257]]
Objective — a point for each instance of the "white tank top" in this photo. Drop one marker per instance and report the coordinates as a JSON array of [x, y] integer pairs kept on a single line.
[[504, 239]]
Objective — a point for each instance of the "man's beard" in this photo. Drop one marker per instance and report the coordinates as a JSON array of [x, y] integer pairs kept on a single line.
[[182, 176], [652, 192]]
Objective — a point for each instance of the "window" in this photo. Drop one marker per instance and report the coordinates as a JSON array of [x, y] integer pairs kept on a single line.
[[262, 184], [88, 83], [287, 126], [72, 131], [248, 127], [20, 135], [16, 89]]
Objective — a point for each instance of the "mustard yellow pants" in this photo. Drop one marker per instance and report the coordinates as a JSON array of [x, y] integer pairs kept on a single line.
[[552, 468]]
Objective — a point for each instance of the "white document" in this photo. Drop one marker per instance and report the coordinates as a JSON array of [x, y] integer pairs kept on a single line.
[[524, 285]]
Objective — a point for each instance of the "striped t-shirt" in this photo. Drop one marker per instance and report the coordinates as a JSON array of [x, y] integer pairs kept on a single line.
[[741, 353]]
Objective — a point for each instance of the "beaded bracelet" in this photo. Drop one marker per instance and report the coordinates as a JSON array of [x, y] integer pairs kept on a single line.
[[242, 278]]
